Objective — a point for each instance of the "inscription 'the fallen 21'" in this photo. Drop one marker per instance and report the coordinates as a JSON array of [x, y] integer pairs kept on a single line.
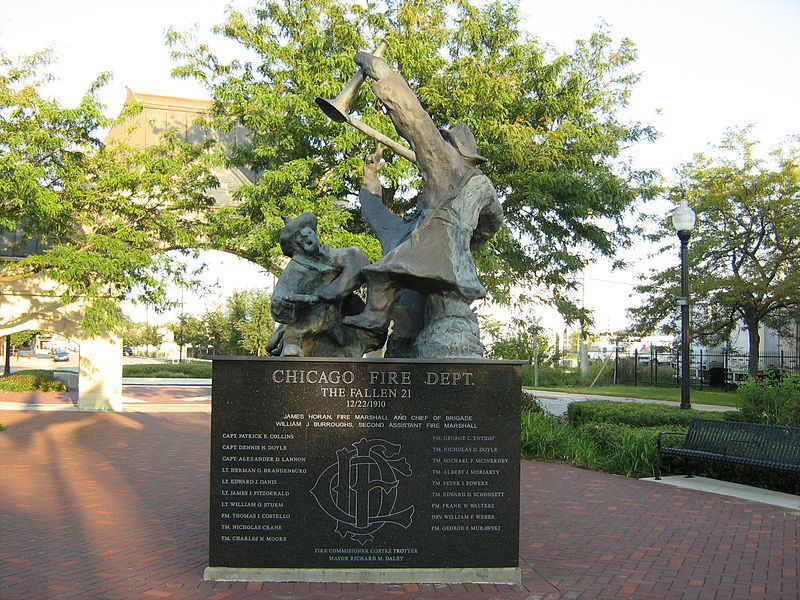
[[337, 377]]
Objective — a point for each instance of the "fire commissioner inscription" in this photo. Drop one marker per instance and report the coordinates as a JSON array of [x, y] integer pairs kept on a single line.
[[367, 464]]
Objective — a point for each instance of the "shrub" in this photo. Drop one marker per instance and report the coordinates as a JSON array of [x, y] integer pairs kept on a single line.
[[622, 448], [550, 376], [31, 381], [634, 454], [634, 413], [606, 436], [546, 437], [530, 404], [771, 401], [196, 370], [608, 446], [630, 369]]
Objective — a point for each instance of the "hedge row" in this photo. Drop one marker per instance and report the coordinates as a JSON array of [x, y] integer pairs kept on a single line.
[[637, 414], [608, 446], [31, 381], [189, 369]]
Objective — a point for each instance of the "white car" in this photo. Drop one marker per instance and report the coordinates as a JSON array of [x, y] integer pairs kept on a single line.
[[60, 355]]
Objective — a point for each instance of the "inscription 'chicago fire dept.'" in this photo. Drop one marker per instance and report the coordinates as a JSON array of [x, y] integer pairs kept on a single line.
[[380, 378]]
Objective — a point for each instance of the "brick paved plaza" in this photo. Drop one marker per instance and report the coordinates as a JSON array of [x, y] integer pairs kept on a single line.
[[115, 506]]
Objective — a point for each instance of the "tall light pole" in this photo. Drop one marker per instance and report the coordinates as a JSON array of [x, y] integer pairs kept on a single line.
[[683, 219]]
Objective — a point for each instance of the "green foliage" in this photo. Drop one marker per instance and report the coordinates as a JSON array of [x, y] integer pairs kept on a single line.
[[631, 369], [546, 437], [257, 324], [618, 437], [567, 377], [530, 404], [772, 402], [622, 448], [31, 381], [551, 376], [187, 329], [518, 341], [242, 326], [548, 122], [101, 215], [23, 338], [141, 334], [634, 414], [745, 250], [188, 369], [611, 447]]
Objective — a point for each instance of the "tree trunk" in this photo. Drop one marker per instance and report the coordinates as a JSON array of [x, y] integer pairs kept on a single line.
[[7, 370], [754, 338]]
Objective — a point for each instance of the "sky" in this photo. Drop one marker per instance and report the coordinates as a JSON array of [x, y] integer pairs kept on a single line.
[[706, 65]]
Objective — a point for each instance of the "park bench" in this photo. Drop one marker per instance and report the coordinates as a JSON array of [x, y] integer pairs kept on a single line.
[[769, 446]]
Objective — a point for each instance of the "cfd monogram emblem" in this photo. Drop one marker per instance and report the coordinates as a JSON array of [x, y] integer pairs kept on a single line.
[[359, 491]]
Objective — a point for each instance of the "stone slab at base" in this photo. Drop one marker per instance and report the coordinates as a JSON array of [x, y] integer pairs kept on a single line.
[[503, 576]]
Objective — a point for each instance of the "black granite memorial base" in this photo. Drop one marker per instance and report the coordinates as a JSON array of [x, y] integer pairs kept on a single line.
[[510, 576], [393, 471]]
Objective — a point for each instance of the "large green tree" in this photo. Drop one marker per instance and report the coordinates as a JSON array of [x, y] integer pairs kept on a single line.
[[101, 216], [258, 324], [548, 122], [745, 250], [242, 325]]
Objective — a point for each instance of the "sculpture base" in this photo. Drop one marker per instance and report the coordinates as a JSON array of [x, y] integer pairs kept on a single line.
[[510, 576], [371, 470], [451, 329]]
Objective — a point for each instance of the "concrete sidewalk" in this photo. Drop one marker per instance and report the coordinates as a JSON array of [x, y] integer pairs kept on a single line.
[[115, 506], [557, 402]]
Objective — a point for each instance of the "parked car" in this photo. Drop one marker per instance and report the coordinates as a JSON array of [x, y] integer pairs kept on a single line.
[[60, 355], [127, 351]]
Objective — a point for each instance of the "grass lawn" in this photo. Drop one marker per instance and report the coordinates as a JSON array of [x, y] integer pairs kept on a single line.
[[32, 380], [654, 393]]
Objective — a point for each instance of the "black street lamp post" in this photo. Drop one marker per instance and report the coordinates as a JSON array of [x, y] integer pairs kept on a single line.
[[683, 219]]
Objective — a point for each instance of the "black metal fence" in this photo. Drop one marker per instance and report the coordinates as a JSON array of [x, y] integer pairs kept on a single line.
[[707, 370]]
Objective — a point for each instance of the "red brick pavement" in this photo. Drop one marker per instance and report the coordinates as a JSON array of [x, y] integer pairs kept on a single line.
[[114, 506], [32, 399], [168, 394], [133, 396]]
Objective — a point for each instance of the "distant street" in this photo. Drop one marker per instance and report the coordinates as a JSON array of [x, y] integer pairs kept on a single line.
[[557, 402], [46, 362]]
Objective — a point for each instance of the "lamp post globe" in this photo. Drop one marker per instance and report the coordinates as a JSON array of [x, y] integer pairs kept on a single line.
[[683, 219]]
